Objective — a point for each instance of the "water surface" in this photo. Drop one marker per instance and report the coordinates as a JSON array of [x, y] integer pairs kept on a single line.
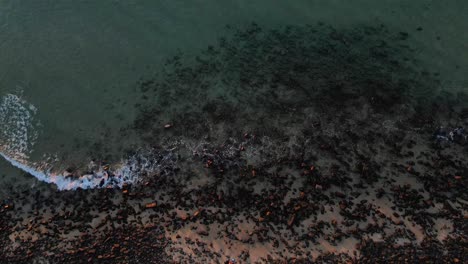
[[71, 72]]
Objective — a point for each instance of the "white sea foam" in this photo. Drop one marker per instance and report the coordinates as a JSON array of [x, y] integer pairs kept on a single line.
[[100, 179], [18, 127], [128, 172]]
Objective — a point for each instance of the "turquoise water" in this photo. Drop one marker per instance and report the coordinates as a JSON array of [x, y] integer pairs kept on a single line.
[[72, 73]]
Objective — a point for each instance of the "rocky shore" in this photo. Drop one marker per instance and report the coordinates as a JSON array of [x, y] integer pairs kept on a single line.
[[302, 144]]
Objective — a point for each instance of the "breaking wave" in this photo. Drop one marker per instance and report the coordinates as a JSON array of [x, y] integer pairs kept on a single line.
[[127, 174], [19, 132], [62, 182]]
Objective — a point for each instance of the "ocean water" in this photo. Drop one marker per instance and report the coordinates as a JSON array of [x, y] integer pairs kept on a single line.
[[87, 88]]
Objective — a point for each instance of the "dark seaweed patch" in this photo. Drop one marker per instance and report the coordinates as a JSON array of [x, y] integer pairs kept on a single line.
[[276, 75]]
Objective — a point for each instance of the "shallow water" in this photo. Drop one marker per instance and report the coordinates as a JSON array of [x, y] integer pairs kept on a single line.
[[71, 73]]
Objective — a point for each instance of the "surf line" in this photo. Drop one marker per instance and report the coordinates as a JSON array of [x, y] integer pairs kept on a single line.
[[66, 183]]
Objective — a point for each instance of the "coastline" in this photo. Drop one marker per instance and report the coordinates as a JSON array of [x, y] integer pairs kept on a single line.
[[406, 202], [334, 157]]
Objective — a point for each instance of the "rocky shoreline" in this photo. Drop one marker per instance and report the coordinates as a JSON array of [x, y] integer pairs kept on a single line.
[[299, 210], [327, 148]]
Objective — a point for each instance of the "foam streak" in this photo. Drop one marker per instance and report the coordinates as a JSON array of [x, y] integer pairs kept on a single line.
[[70, 183]]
